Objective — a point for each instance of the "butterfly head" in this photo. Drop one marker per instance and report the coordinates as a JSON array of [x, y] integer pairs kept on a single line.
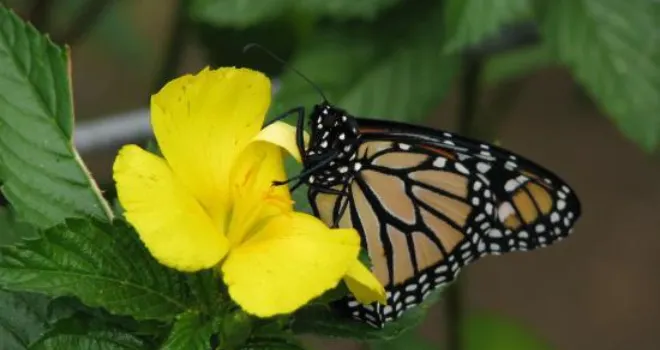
[[332, 147]]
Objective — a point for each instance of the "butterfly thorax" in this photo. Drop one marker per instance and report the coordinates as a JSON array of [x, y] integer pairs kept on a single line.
[[332, 147]]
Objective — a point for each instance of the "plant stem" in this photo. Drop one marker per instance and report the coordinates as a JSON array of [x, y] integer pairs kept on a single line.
[[175, 47], [87, 17], [469, 101], [470, 93]]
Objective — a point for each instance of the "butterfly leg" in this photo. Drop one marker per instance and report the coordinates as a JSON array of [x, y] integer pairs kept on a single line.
[[300, 124], [342, 206], [329, 190], [311, 170]]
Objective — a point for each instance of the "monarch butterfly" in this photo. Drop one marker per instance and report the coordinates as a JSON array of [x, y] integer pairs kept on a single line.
[[425, 202]]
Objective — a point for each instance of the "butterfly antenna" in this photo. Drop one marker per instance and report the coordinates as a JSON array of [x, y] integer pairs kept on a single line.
[[278, 59]]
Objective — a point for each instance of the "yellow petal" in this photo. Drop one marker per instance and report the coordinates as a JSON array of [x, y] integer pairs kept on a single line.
[[202, 122], [254, 195], [283, 135], [291, 260], [364, 285], [171, 223]]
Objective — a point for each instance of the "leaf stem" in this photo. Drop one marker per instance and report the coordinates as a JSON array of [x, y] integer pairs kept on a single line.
[[87, 17]]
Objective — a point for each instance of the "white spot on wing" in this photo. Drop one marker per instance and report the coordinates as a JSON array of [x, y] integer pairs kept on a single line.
[[505, 210], [483, 167], [489, 208], [440, 162], [554, 217], [561, 204], [511, 185], [461, 168]]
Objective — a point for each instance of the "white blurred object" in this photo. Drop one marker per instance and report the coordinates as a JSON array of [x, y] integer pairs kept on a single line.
[[112, 131]]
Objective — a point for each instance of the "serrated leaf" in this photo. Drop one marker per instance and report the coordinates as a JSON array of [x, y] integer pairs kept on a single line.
[[23, 319], [516, 63], [104, 265], [343, 9], [71, 311], [12, 230], [236, 13], [399, 78], [43, 177], [321, 320], [609, 46], [404, 87], [89, 337], [191, 331], [469, 22], [491, 332]]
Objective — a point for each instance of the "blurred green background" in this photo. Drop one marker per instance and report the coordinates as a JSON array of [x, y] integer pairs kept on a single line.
[[572, 84]]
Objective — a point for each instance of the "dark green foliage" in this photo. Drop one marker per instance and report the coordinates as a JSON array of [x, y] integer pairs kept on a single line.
[[104, 265]]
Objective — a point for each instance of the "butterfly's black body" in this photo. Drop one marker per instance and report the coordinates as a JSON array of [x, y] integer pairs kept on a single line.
[[463, 199]]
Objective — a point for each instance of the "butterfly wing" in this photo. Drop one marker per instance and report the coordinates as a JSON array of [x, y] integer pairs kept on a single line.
[[427, 203]]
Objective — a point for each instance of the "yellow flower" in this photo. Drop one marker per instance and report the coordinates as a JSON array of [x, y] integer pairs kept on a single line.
[[210, 201]]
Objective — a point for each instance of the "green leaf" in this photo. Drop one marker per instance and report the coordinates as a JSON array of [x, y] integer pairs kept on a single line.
[[236, 326], [282, 342], [192, 330], [609, 46], [410, 340], [404, 87], [206, 287], [12, 230], [321, 320], [349, 57], [43, 177], [401, 77], [236, 13], [469, 22], [75, 311], [343, 9], [77, 335], [490, 332], [517, 63], [23, 319], [104, 265], [272, 333]]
